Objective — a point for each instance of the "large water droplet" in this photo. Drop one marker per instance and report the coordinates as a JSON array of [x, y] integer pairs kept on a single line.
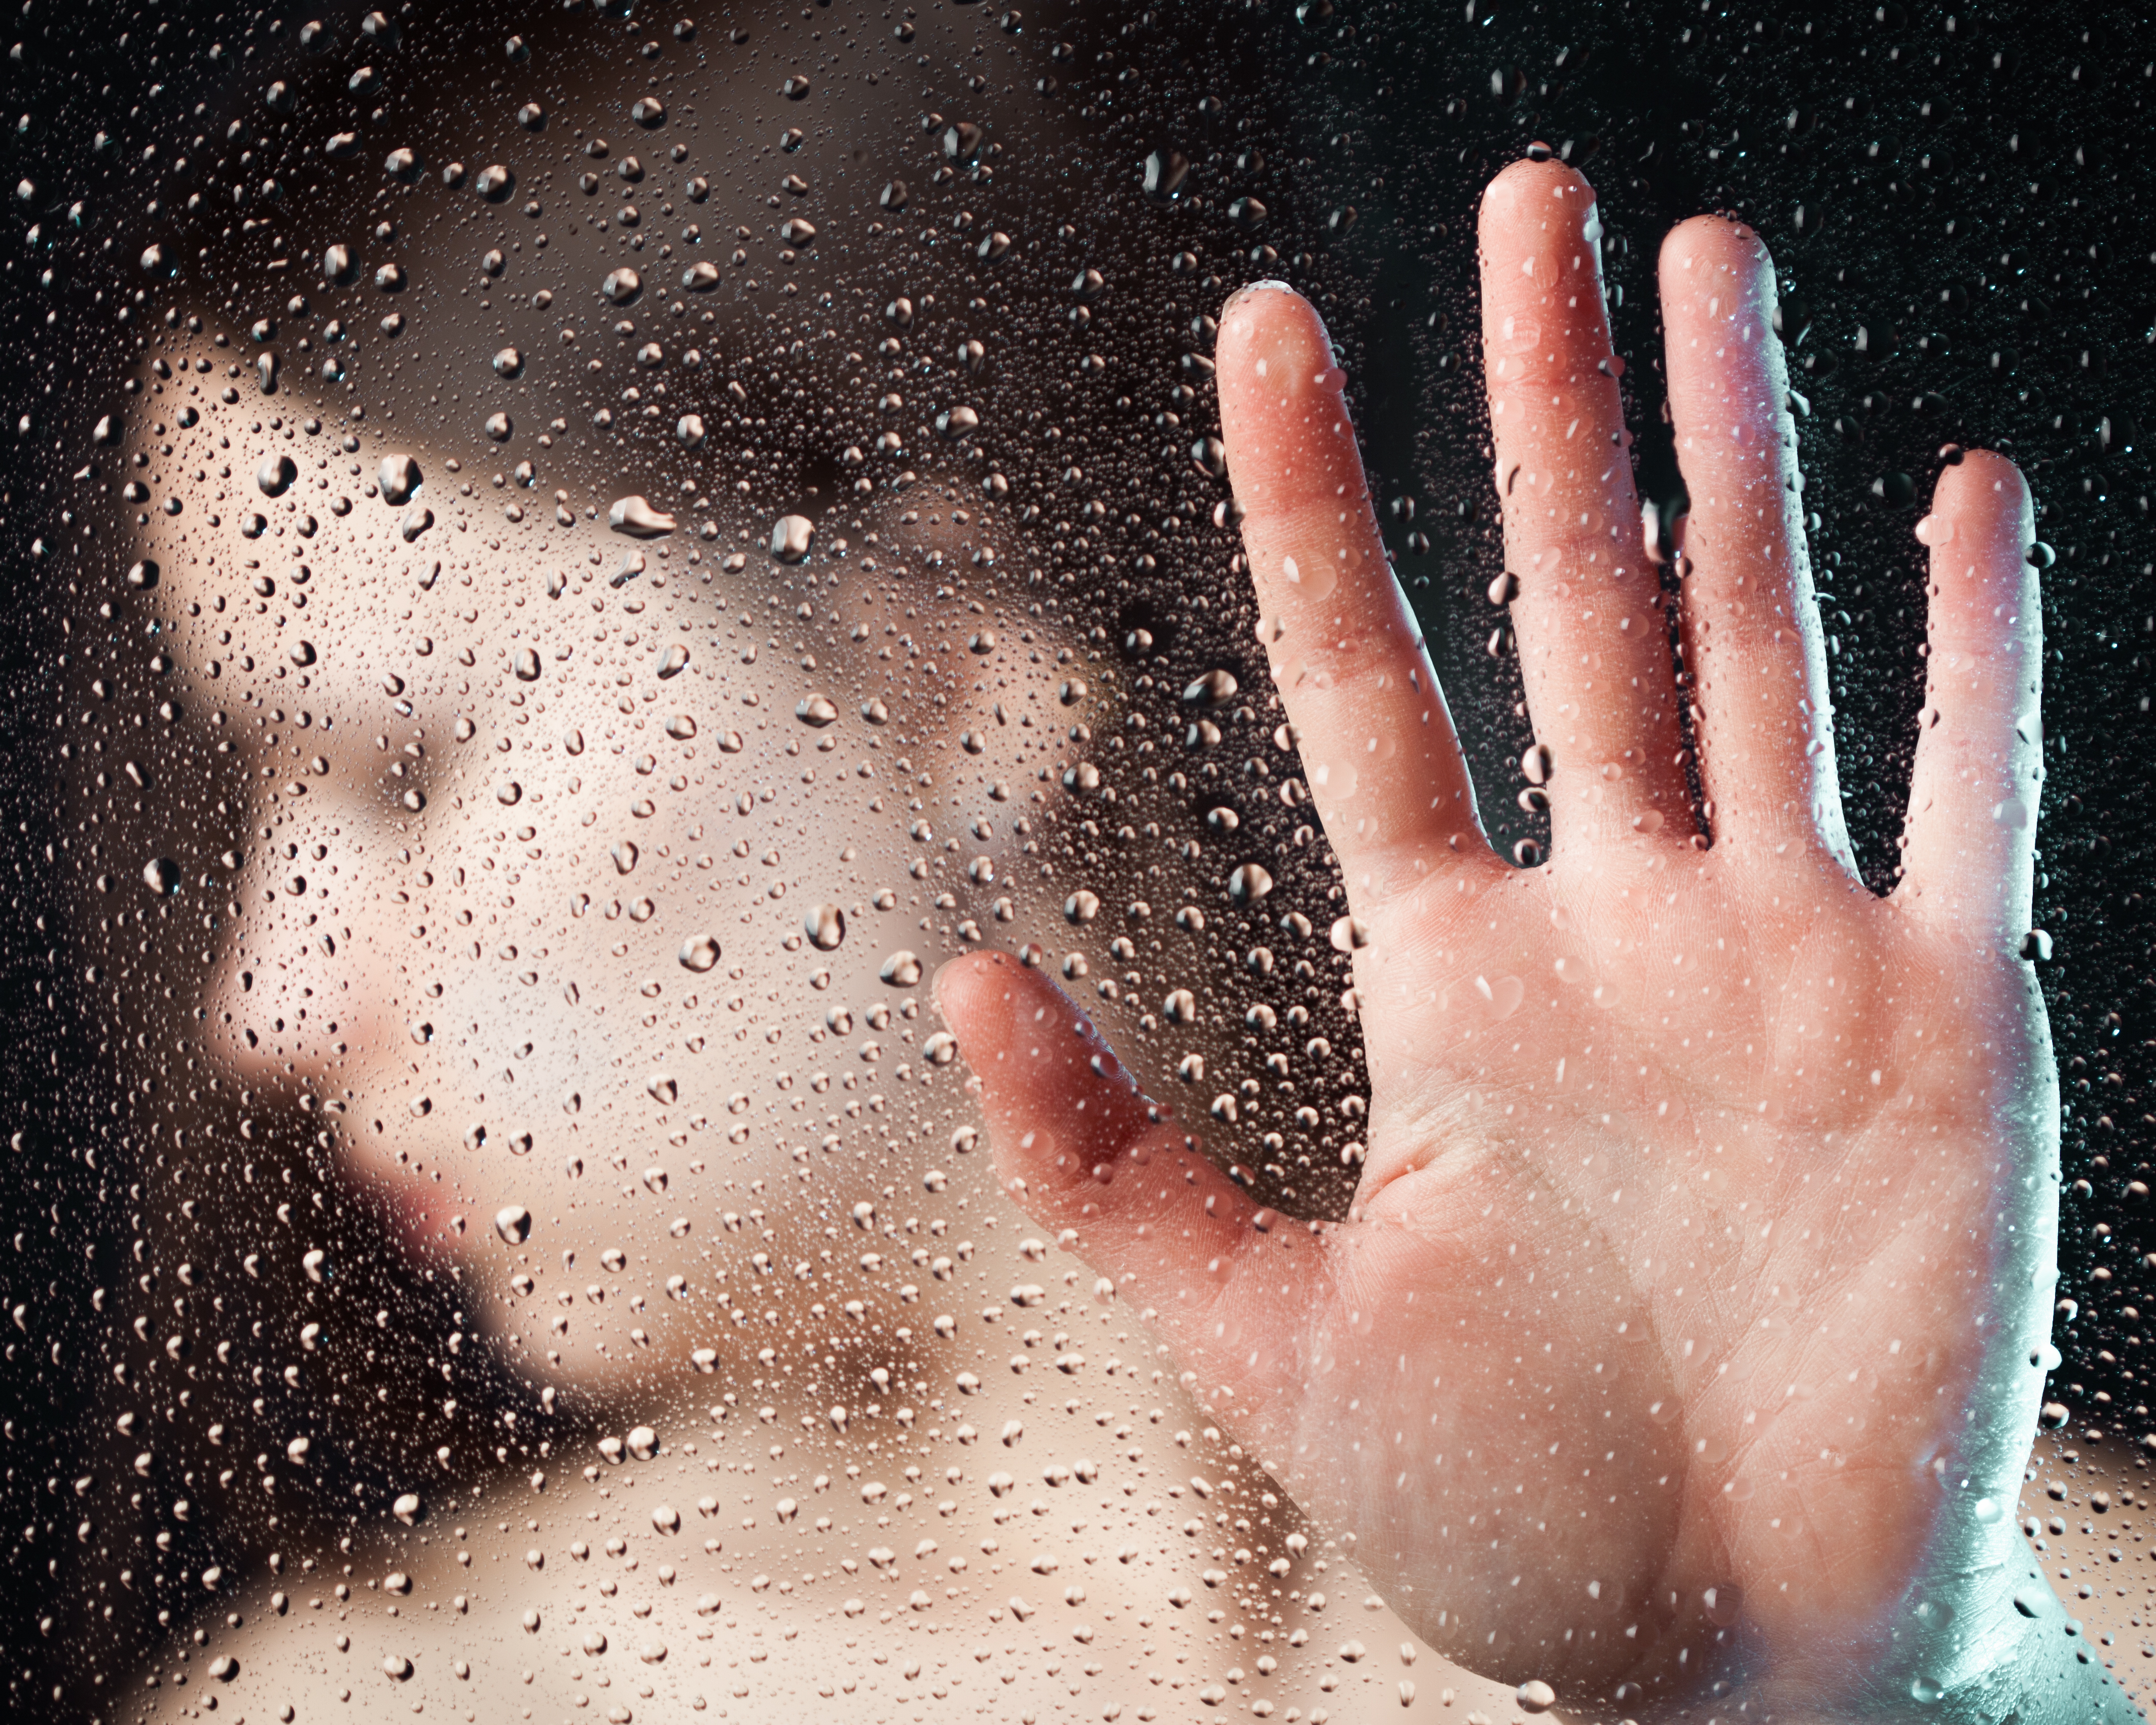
[[791, 536], [699, 953], [275, 474], [816, 711], [513, 1223], [399, 477], [1249, 883], [638, 519], [622, 285], [901, 970], [1165, 172], [825, 926]]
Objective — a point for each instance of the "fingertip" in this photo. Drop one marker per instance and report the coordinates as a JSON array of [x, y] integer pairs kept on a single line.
[[1701, 245], [1983, 478], [1523, 190], [1263, 324], [1982, 519], [975, 993]]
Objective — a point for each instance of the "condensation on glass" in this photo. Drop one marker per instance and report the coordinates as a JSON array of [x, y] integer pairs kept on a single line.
[[561, 561]]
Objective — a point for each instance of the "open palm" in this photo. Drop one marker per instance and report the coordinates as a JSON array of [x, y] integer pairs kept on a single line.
[[1685, 1338]]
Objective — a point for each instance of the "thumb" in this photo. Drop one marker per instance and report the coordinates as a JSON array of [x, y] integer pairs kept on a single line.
[[1082, 1149]]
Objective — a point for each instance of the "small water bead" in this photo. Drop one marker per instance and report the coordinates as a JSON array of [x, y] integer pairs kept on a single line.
[[1338, 780]]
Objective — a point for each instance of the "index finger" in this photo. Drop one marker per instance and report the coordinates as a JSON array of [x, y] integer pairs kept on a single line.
[[1385, 766]]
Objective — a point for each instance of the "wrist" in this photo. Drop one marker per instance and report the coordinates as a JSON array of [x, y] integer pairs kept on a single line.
[[2008, 1654]]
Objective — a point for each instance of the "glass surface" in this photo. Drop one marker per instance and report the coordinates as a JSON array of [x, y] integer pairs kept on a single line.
[[563, 559]]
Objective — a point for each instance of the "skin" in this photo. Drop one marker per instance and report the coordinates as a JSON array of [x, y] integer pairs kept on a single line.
[[1689, 1324]]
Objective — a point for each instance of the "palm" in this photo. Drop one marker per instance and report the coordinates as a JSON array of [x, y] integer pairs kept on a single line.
[[1687, 1323], [1610, 1279]]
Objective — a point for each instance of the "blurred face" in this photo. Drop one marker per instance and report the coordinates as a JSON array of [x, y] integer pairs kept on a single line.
[[534, 909]]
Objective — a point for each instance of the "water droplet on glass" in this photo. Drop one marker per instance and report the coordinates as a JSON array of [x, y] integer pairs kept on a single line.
[[699, 953], [513, 1223], [398, 477], [791, 536], [901, 970], [816, 711], [622, 285], [1165, 172], [161, 875], [275, 474], [638, 519], [689, 429], [624, 855], [825, 926], [1249, 883]]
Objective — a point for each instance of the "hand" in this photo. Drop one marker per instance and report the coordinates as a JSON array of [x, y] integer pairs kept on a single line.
[[1689, 1326]]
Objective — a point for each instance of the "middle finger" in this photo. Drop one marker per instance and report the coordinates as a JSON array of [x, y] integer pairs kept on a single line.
[[1594, 648]]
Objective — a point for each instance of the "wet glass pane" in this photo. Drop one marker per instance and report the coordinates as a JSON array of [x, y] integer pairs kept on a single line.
[[563, 559]]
